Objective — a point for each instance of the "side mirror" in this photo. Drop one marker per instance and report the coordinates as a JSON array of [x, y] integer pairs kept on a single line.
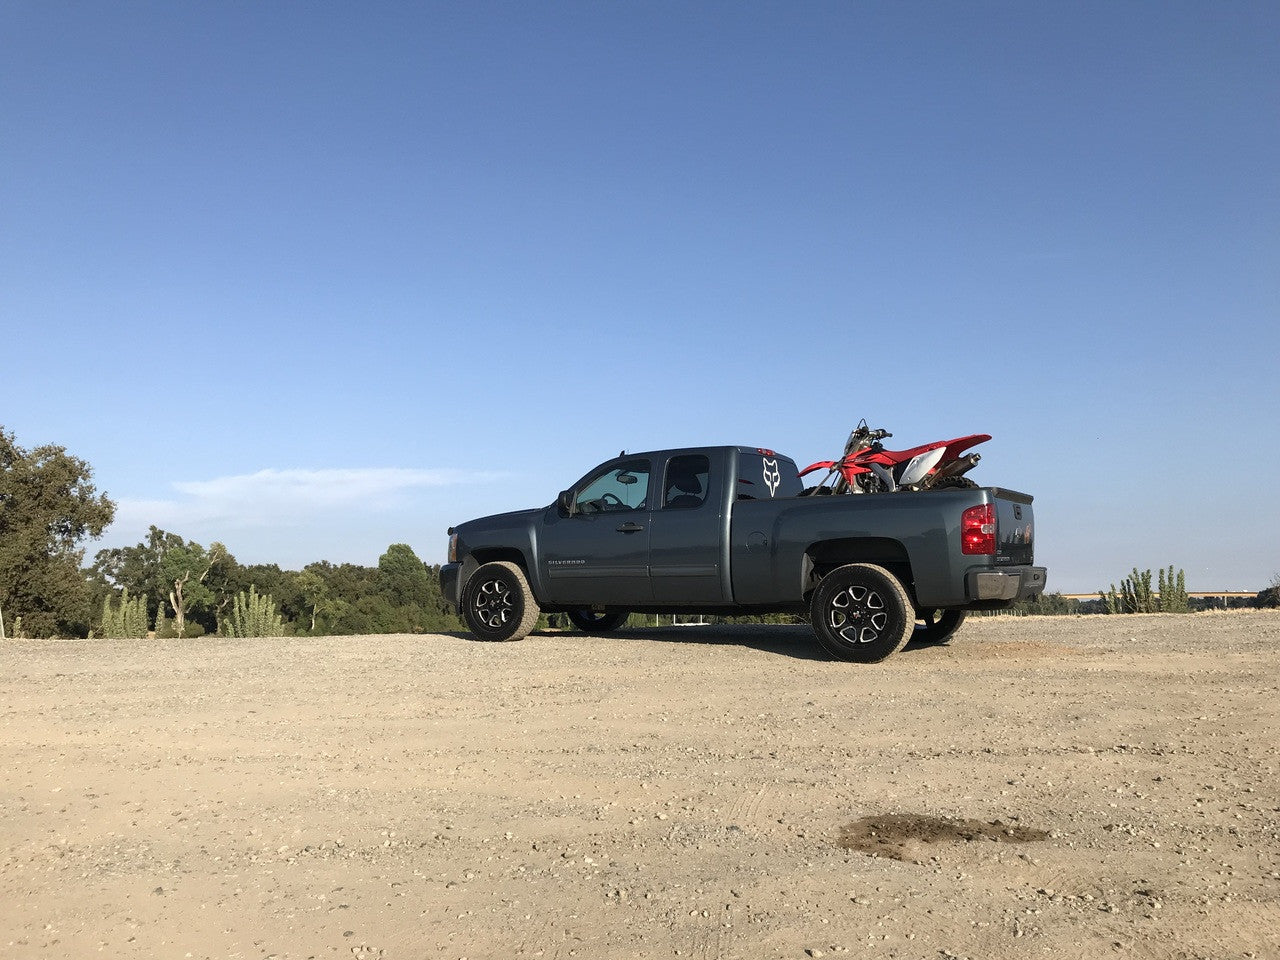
[[567, 503]]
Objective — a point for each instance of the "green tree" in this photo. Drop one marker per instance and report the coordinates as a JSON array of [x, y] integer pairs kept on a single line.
[[400, 595], [403, 578], [137, 568], [184, 577], [187, 569], [48, 506], [345, 585], [281, 584], [315, 595]]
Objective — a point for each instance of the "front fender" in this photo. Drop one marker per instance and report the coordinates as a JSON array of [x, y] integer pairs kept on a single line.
[[451, 584]]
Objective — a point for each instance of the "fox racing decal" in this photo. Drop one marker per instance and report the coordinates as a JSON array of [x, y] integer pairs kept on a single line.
[[772, 477]]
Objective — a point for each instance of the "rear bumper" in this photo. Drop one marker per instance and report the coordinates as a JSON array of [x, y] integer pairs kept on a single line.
[[1008, 584], [449, 576]]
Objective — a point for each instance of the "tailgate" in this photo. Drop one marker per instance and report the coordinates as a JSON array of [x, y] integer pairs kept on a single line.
[[1015, 527]]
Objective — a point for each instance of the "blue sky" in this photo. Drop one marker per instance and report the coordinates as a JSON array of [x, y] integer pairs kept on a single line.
[[311, 279]]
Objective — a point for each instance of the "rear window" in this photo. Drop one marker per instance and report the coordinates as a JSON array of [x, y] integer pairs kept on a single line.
[[767, 476]]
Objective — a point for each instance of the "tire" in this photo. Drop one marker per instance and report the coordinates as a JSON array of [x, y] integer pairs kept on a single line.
[[597, 623], [497, 603], [937, 626], [861, 613], [954, 483]]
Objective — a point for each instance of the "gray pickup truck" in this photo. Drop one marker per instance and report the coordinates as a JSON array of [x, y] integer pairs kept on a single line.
[[730, 531]]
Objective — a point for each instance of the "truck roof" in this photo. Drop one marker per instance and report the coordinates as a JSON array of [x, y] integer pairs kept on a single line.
[[760, 451]]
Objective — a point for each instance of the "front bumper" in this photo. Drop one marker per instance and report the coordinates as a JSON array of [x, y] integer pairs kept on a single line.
[[1008, 584], [449, 585]]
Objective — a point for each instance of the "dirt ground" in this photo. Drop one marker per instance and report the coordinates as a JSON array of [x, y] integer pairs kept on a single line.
[[1040, 787]]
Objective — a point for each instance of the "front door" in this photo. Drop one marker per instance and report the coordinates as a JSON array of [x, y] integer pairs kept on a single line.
[[600, 554]]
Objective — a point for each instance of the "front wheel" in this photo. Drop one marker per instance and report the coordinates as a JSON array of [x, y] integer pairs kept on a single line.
[[497, 603], [861, 612], [597, 623], [937, 626]]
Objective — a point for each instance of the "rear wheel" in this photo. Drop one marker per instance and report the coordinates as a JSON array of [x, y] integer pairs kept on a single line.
[[954, 483], [937, 626], [497, 603], [861, 612], [590, 622]]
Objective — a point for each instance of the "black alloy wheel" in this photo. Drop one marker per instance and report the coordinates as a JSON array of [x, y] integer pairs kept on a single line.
[[861, 613], [498, 604]]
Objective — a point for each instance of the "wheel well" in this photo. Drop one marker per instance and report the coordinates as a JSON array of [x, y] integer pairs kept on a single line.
[[509, 554], [478, 558], [821, 558]]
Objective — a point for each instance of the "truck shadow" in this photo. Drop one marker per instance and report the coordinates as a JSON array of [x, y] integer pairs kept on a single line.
[[784, 640]]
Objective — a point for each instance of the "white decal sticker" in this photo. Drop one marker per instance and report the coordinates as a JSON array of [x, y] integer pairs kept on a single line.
[[772, 478]]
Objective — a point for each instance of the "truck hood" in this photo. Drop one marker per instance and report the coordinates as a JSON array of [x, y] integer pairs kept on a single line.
[[517, 519]]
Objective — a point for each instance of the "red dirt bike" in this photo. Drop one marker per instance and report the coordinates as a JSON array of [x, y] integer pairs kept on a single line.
[[867, 467]]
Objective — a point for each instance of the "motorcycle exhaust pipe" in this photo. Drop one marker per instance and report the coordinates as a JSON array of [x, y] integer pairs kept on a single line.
[[958, 467]]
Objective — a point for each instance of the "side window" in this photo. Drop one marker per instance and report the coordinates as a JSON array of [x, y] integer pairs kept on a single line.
[[686, 483], [623, 486]]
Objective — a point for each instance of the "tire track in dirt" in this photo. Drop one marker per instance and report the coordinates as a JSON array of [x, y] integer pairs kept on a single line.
[[745, 811]]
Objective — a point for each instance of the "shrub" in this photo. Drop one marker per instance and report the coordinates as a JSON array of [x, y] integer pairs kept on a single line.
[[1173, 592], [128, 620], [1270, 597], [1136, 596], [252, 616]]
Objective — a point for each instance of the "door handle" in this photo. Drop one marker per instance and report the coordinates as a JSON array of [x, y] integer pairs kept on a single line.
[[630, 527]]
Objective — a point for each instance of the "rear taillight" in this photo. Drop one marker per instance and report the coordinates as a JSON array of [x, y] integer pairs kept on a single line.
[[978, 530]]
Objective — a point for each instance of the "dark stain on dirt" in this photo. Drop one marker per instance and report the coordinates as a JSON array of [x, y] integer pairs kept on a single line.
[[888, 835]]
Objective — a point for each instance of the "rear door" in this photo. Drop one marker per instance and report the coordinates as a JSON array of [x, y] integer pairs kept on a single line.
[[688, 531]]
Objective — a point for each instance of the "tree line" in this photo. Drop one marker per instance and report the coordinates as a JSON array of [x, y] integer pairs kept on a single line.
[[191, 590], [176, 587]]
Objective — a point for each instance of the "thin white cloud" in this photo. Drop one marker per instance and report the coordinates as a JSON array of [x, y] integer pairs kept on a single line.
[[312, 489], [275, 498]]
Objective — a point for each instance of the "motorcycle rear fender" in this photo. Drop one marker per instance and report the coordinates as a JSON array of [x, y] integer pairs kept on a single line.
[[961, 444]]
